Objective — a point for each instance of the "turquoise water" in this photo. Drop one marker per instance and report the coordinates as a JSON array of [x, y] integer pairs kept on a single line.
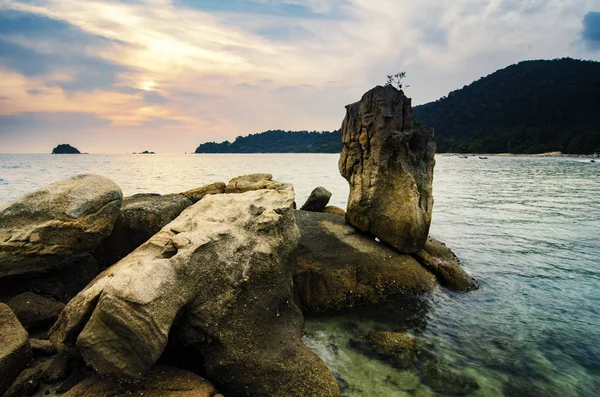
[[526, 228]]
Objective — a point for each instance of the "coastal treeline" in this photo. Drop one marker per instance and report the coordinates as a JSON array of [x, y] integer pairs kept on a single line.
[[279, 141], [530, 107]]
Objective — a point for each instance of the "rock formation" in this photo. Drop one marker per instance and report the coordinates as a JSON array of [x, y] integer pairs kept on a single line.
[[223, 270], [34, 311], [332, 209], [15, 351], [197, 194], [159, 381], [246, 183], [442, 262], [64, 148], [318, 200], [339, 267], [141, 216], [43, 230], [388, 163]]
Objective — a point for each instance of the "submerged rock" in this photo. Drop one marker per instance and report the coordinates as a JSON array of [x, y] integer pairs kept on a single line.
[[398, 348], [246, 183], [223, 268], [197, 194], [34, 311], [159, 381], [43, 230], [15, 351], [339, 267], [318, 200], [441, 261], [142, 216], [389, 166]]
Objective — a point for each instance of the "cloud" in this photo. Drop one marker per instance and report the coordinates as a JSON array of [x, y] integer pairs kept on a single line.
[[188, 71], [36, 45], [591, 30]]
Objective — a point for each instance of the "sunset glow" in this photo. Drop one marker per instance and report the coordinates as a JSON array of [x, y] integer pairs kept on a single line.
[[177, 73]]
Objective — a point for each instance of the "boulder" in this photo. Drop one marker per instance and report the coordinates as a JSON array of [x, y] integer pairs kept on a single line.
[[27, 383], [57, 369], [389, 166], [42, 347], [246, 183], [395, 347], [197, 194], [15, 351], [332, 209], [318, 200], [34, 311], [441, 261], [61, 284], [43, 230], [223, 269], [142, 216], [159, 381], [338, 267]]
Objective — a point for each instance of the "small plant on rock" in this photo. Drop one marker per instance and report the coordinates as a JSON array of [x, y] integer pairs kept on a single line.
[[395, 80]]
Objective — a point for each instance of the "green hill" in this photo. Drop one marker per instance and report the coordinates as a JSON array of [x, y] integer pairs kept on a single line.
[[530, 107], [278, 141]]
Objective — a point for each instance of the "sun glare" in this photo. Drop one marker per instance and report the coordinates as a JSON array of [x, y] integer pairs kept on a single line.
[[147, 85]]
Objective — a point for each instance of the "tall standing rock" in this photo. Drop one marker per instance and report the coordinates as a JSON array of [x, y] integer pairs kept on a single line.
[[389, 165], [45, 229]]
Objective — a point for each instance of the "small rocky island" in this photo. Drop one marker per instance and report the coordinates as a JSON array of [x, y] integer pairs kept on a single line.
[[65, 148], [202, 293]]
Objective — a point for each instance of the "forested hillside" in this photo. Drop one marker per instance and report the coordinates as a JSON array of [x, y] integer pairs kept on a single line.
[[278, 141], [530, 107]]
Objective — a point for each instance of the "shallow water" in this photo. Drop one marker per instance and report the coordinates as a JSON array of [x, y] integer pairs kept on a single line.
[[526, 228]]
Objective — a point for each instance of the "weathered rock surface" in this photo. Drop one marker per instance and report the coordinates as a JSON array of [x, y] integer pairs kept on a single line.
[[441, 261], [159, 381], [389, 166], [42, 347], [57, 369], [246, 183], [332, 209], [142, 216], [318, 200], [61, 284], [197, 194], [34, 311], [27, 383], [400, 349], [44, 229], [15, 352], [339, 267], [223, 269]]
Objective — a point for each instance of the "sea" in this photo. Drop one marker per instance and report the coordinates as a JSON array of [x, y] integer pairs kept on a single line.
[[527, 228]]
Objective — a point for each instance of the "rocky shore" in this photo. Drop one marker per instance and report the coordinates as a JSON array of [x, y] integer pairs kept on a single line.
[[204, 292]]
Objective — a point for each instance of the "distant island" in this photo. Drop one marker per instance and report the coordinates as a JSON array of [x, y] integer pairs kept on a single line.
[[64, 148], [279, 141], [144, 152], [530, 107]]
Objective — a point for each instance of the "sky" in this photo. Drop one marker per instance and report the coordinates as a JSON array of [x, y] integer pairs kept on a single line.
[[167, 75]]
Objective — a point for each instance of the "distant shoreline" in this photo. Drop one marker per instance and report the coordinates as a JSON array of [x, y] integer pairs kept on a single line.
[[548, 154]]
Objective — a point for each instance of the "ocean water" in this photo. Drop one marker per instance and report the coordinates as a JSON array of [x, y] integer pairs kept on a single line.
[[527, 228]]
